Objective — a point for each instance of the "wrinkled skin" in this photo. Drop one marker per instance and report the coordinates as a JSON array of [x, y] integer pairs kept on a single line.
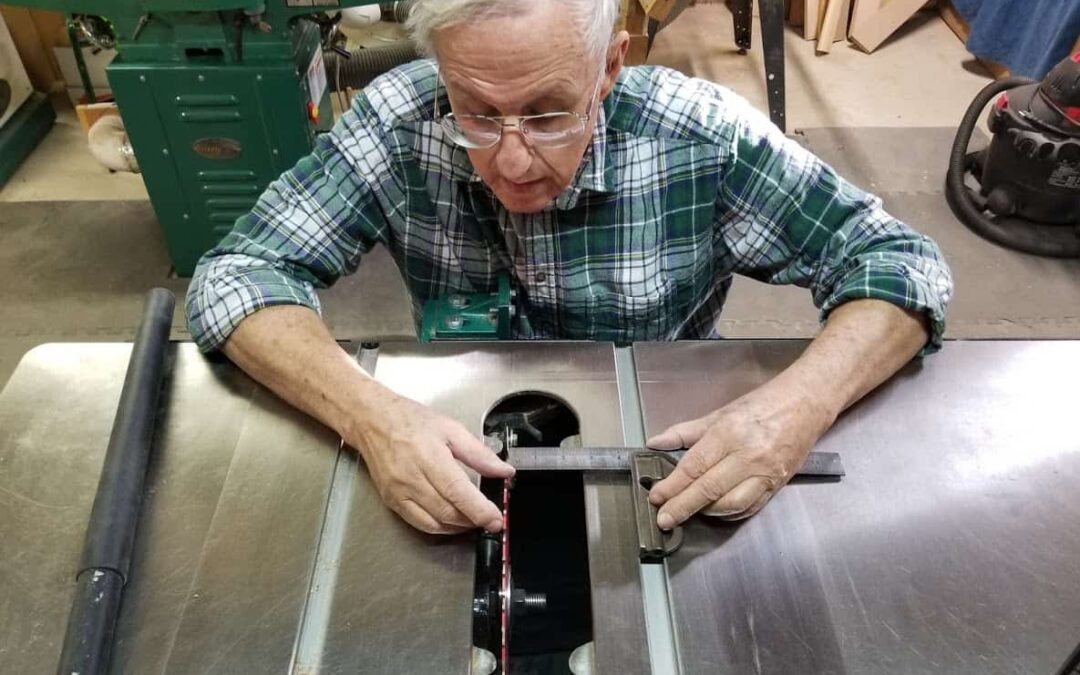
[[526, 66]]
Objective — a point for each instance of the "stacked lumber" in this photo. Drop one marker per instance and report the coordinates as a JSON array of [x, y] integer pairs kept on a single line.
[[634, 18], [866, 23]]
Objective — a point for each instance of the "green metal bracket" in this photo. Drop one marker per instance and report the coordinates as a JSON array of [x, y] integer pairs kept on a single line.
[[481, 316]]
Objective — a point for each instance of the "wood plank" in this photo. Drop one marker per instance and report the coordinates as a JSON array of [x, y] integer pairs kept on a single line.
[[34, 47], [636, 21], [798, 12], [620, 23], [836, 15], [88, 113], [860, 9], [872, 30], [658, 9], [813, 14], [638, 52]]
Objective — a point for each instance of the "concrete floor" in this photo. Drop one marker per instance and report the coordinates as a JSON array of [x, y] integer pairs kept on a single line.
[[79, 246]]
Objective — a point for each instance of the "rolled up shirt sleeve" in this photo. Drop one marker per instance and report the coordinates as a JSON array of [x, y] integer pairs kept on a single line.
[[786, 217], [309, 228]]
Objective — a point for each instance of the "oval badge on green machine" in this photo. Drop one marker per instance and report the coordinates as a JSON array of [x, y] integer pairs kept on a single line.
[[217, 148]]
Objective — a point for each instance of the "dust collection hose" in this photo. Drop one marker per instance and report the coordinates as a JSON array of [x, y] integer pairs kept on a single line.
[[364, 65], [110, 534], [1052, 240], [396, 11]]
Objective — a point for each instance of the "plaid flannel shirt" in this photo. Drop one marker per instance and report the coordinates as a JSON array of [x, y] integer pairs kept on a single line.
[[682, 185]]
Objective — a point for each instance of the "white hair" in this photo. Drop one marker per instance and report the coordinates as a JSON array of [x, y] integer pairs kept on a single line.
[[595, 18]]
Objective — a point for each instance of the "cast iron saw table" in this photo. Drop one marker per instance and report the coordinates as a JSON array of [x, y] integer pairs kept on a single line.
[[952, 545]]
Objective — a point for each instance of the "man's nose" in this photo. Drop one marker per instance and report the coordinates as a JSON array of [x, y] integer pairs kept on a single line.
[[513, 156]]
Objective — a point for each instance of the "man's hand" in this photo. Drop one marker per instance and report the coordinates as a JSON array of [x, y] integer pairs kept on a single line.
[[412, 453], [739, 456]]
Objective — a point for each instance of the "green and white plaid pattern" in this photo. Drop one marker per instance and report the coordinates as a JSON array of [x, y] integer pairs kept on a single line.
[[683, 185]]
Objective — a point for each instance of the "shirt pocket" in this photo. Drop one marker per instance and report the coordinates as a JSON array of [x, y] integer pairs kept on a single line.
[[620, 314]]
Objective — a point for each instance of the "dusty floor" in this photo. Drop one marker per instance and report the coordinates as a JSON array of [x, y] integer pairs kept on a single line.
[[79, 246]]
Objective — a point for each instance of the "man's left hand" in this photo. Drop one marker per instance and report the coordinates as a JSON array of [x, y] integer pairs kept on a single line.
[[739, 456]]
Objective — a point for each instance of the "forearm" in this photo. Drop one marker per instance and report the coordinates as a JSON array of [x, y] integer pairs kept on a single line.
[[864, 342], [289, 350]]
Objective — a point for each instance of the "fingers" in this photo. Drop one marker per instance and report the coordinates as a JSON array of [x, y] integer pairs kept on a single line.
[[457, 493], [682, 435], [415, 515], [752, 493], [700, 492], [700, 459], [754, 508], [476, 454]]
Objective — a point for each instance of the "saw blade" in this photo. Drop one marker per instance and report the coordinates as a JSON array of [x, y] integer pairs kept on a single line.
[[504, 612]]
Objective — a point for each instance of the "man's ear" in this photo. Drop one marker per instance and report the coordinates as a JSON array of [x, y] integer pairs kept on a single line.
[[616, 56]]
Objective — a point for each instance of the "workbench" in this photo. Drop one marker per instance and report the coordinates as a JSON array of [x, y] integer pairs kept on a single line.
[[951, 545]]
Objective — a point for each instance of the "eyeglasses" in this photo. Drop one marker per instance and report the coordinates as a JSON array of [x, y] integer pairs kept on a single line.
[[549, 130]]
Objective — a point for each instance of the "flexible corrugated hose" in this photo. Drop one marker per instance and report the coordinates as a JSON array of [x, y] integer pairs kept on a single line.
[[364, 65]]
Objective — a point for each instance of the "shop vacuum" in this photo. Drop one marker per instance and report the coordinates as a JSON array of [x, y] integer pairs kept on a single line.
[[1028, 179]]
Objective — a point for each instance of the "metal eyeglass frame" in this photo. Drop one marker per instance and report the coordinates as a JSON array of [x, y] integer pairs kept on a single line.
[[512, 121]]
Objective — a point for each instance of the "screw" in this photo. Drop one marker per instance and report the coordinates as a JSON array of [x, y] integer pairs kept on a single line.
[[164, 151], [458, 301], [454, 322], [202, 78], [142, 78], [526, 602], [535, 601]]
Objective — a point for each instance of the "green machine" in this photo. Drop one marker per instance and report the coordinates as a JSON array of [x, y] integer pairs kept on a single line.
[[476, 316], [218, 97]]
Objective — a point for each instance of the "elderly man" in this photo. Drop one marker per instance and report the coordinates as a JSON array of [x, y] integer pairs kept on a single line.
[[621, 201]]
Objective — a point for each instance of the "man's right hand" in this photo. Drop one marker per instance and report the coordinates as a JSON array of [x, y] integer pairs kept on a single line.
[[413, 455], [411, 451]]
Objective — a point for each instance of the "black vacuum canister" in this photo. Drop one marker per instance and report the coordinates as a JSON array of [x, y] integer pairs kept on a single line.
[[1032, 167]]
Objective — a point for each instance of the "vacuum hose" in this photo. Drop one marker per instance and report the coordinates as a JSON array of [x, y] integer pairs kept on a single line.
[[1016, 235], [363, 65]]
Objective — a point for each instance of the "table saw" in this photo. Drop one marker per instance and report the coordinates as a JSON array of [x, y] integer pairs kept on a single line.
[[951, 545]]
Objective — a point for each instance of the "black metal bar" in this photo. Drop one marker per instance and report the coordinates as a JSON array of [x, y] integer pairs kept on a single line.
[[743, 15], [650, 31], [772, 43], [76, 47], [1072, 666], [110, 534]]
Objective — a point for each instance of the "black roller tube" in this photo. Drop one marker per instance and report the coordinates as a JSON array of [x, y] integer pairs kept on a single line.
[[110, 534]]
